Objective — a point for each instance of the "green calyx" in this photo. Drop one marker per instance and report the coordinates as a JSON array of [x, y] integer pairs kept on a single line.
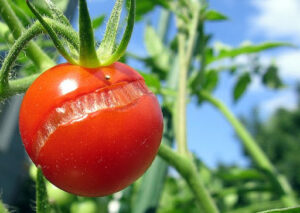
[[87, 55]]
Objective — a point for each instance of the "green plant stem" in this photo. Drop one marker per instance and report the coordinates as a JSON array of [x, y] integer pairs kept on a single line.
[[42, 204], [255, 152], [17, 86], [35, 30], [181, 99], [54, 37], [88, 56], [185, 59], [182, 161], [39, 58], [189, 172]]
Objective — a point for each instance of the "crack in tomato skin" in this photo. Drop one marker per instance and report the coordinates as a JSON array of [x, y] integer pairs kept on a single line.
[[52, 89], [107, 98], [92, 136]]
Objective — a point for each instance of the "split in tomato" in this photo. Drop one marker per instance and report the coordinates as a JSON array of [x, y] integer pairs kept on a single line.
[[91, 131]]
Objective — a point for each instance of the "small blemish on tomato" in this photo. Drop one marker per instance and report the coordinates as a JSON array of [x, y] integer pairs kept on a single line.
[[107, 77]]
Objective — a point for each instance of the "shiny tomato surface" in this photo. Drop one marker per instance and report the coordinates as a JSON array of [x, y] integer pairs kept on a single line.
[[91, 131]]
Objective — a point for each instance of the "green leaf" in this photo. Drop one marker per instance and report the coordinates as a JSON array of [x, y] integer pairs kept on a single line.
[[285, 210], [213, 15], [97, 22], [152, 81], [159, 53], [211, 80], [145, 6], [107, 45], [154, 44], [88, 56], [247, 49], [42, 204], [241, 86], [271, 78]]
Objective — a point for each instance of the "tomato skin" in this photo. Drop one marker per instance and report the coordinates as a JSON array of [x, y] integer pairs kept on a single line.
[[101, 153]]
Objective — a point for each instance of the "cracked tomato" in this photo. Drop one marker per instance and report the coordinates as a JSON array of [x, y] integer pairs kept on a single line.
[[91, 131]]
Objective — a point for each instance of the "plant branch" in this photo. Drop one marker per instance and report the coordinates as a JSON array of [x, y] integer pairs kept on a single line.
[[185, 59], [42, 204], [38, 56], [57, 42], [189, 172], [35, 30], [181, 99], [258, 156]]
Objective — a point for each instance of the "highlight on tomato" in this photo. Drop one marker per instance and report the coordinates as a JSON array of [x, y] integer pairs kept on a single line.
[[91, 125]]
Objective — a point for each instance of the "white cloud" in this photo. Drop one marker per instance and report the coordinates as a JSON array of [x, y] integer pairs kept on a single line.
[[289, 64], [277, 19], [286, 99]]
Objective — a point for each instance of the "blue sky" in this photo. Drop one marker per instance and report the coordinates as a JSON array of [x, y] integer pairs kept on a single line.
[[209, 134]]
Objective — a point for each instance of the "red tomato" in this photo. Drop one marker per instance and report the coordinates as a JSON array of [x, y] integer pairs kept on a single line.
[[91, 131]]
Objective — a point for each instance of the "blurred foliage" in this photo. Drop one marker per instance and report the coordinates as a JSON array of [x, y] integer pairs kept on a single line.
[[279, 137], [143, 7]]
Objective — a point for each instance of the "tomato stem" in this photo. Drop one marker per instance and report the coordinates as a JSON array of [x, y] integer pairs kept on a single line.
[[188, 171], [59, 45], [38, 56], [185, 165], [88, 56], [8, 89], [258, 156], [185, 57], [42, 204]]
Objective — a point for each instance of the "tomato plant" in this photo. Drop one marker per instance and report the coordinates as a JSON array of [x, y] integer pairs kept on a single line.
[[92, 126], [91, 131]]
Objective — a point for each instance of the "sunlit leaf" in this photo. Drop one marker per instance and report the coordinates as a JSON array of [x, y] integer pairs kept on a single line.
[[152, 81], [97, 22], [248, 49], [213, 15], [159, 53], [145, 6]]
